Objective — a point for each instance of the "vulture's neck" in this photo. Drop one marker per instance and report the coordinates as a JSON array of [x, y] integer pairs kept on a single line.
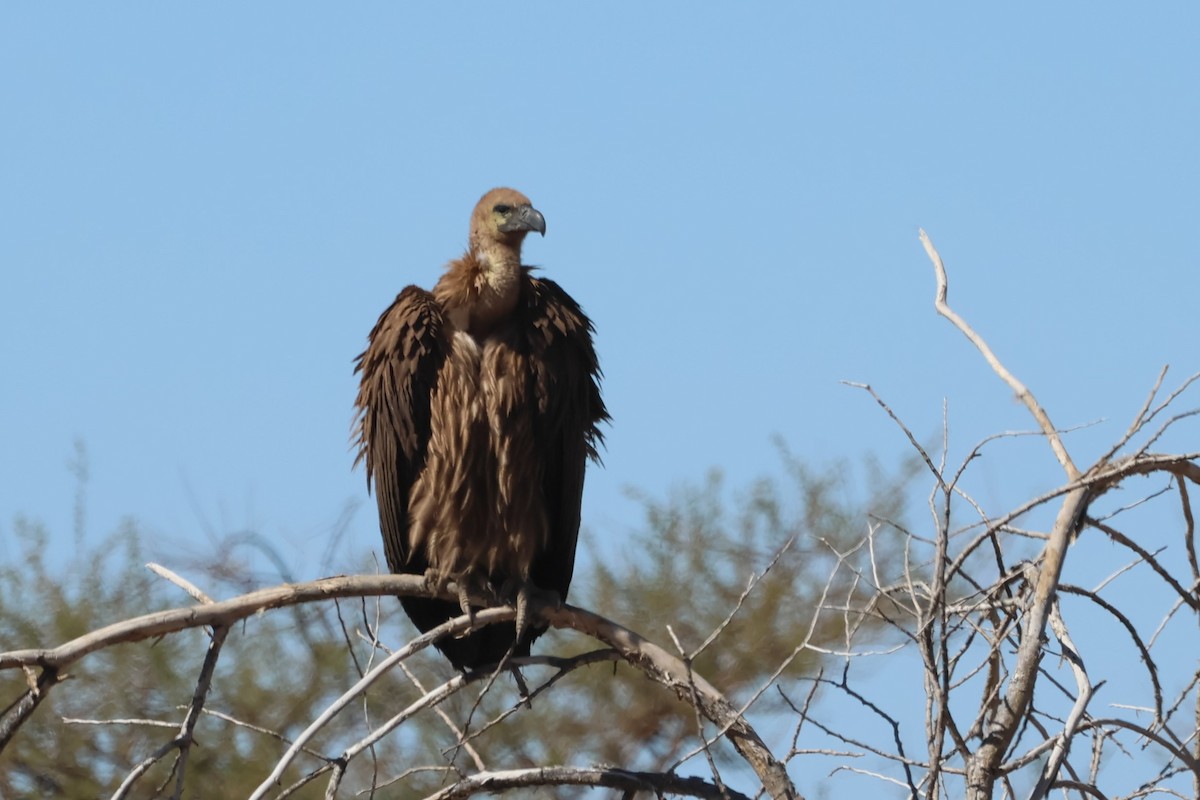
[[480, 290]]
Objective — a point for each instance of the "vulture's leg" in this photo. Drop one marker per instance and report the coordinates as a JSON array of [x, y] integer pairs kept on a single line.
[[439, 582]]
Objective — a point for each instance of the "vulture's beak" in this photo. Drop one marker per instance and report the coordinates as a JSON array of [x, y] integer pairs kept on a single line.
[[525, 218]]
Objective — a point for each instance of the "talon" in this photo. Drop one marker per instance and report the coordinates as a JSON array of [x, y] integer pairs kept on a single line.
[[522, 603], [522, 688], [464, 601], [519, 593]]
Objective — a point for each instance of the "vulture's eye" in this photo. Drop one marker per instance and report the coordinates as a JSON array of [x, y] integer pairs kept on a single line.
[[503, 209]]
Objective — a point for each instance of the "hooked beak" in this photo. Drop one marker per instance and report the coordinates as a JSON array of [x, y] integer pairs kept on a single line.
[[525, 218]]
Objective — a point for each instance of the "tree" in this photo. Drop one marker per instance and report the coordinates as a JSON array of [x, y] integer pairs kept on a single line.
[[696, 535], [804, 637], [1000, 714]]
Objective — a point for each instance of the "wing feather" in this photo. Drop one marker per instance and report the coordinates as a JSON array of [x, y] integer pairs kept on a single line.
[[399, 368], [566, 376]]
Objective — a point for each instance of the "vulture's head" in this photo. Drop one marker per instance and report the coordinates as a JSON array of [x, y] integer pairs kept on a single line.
[[502, 218]]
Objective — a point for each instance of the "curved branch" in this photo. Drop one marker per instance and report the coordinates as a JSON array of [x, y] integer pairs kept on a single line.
[[1021, 391], [1182, 755], [662, 667], [23, 707], [1182, 465], [611, 777], [1148, 558], [1062, 744], [225, 612], [1144, 651]]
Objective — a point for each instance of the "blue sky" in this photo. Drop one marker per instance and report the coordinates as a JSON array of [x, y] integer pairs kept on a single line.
[[203, 209], [203, 212]]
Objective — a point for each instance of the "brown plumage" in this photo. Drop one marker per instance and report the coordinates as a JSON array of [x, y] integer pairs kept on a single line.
[[477, 412]]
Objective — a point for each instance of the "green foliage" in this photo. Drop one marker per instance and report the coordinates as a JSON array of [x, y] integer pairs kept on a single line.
[[40, 609], [686, 568], [277, 672]]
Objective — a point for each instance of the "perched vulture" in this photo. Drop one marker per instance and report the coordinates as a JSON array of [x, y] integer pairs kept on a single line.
[[476, 414]]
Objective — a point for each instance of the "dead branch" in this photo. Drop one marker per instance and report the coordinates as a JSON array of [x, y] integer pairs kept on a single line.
[[1086, 690], [1018, 388], [224, 613], [996, 616], [662, 667], [658, 783], [21, 709]]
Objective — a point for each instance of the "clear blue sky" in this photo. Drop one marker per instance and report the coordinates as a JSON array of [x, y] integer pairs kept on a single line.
[[203, 209]]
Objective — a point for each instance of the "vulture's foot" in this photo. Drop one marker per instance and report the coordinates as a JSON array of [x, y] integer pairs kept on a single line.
[[439, 582], [519, 593], [475, 585]]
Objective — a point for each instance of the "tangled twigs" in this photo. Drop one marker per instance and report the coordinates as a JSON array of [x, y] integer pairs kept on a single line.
[[655, 662], [1011, 682]]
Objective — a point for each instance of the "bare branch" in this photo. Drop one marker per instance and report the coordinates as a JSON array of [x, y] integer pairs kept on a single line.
[[712, 764], [1185, 595], [183, 740], [1018, 388], [257, 729], [753, 581], [662, 667], [611, 777], [23, 707], [445, 718], [562, 667], [225, 612], [1086, 690], [149, 723], [182, 583], [1143, 650], [1140, 419], [904, 428]]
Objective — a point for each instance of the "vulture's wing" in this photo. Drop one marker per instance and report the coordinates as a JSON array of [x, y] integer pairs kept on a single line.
[[570, 409], [399, 370]]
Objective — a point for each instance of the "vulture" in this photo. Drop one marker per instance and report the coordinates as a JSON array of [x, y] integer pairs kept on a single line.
[[477, 411]]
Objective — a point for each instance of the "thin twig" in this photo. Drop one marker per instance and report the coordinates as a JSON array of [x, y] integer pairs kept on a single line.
[[712, 764], [184, 738], [452, 627], [755, 578], [449, 723], [181, 582]]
